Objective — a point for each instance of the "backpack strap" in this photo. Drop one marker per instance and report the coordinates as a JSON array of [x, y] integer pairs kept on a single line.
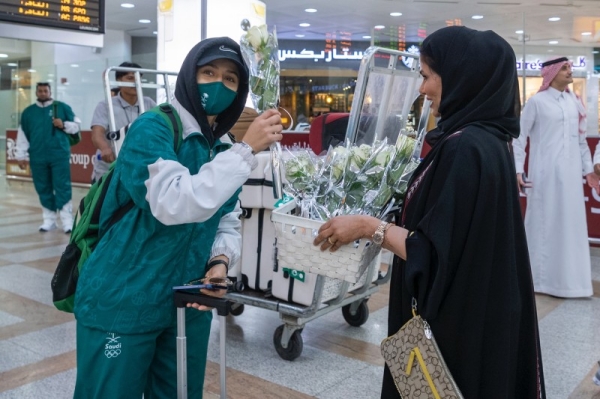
[[54, 112], [95, 219], [172, 118]]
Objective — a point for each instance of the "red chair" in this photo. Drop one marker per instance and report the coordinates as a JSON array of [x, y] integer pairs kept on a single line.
[[327, 129]]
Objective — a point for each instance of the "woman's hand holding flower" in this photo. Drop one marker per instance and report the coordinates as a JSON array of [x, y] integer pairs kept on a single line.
[[265, 130]]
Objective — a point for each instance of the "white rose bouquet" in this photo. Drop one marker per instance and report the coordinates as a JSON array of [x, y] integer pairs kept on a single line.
[[349, 179], [304, 174]]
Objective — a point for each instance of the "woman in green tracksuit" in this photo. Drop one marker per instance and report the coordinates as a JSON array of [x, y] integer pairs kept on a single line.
[[184, 225]]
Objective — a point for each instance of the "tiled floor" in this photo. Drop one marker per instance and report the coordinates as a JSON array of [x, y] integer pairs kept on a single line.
[[37, 342]]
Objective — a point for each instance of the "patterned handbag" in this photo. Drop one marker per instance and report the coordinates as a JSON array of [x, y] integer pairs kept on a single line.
[[416, 363]]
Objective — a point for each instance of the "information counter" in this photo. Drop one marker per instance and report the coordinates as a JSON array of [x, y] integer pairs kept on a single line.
[[82, 160]]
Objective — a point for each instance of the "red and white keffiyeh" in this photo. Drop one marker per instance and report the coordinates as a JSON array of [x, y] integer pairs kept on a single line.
[[549, 71]]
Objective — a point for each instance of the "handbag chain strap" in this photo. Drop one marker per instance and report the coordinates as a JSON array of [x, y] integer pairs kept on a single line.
[[426, 326]]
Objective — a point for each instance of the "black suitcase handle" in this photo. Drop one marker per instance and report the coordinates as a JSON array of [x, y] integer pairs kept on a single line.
[[182, 298]]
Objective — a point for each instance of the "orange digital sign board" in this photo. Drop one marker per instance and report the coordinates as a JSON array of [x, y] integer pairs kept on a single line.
[[80, 15]]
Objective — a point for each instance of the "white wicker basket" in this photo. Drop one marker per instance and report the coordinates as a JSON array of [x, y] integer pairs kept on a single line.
[[295, 249]]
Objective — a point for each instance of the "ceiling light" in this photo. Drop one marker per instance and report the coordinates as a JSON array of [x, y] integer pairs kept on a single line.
[[586, 33], [366, 37], [299, 35], [477, 17], [127, 5], [554, 19], [155, 32], [311, 10], [553, 42], [3, 55], [396, 14], [12, 64], [304, 24], [90, 70], [379, 27], [144, 21], [595, 52], [31, 70], [74, 65], [519, 32]]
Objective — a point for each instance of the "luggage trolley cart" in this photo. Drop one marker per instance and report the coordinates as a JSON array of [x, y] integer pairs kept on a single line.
[[117, 135], [386, 88]]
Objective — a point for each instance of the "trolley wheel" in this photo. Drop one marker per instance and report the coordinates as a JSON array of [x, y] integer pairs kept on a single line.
[[294, 348], [238, 310], [238, 286], [359, 318]]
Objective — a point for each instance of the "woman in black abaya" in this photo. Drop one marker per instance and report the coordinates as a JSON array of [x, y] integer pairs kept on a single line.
[[460, 242]]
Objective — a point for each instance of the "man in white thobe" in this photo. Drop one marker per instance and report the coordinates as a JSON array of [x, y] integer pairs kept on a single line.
[[555, 219]]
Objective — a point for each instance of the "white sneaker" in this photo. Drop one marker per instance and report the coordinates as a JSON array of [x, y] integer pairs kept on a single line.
[[66, 217], [49, 220], [47, 227]]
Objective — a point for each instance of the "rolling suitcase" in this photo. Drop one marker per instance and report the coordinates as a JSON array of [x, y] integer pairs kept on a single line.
[[223, 306], [258, 233]]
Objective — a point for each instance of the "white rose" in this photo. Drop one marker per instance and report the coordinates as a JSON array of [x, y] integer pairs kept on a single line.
[[361, 154], [264, 33], [383, 158], [254, 36]]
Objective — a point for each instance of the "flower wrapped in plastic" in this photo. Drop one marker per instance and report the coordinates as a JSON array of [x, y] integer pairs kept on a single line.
[[403, 164], [305, 182], [260, 51], [300, 168], [364, 177]]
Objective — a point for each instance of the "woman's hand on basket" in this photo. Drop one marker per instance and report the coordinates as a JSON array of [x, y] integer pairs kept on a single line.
[[342, 230]]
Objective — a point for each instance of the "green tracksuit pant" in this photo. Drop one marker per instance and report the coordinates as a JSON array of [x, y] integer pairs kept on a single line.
[[52, 182], [125, 366]]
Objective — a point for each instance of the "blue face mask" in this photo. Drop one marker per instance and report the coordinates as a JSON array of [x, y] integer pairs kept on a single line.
[[215, 97]]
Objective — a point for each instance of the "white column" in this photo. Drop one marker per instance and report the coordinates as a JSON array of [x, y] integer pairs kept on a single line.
[[179, 25]]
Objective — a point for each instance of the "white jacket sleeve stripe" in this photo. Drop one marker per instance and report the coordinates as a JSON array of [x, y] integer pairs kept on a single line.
[[22, 145], [176, 197]]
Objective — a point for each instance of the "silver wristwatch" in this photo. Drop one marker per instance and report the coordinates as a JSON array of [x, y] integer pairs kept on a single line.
[[379, 234], [248, 146]]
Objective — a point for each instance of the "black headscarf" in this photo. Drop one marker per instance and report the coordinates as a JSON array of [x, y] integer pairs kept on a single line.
[[186, 90], [467, 262], [479, 81]]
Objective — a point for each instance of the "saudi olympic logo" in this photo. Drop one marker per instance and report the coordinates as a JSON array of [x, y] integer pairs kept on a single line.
[[114, 353], [112, 347]]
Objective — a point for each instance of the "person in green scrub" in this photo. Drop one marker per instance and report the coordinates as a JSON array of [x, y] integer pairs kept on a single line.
[[184, 225], [43, 133]]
